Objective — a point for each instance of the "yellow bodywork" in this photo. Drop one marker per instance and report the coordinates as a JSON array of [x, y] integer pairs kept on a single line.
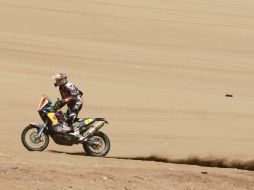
[[87, 121], [53, 118]]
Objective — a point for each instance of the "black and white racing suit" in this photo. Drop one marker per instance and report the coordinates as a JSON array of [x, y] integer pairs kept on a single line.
[[72, 96]]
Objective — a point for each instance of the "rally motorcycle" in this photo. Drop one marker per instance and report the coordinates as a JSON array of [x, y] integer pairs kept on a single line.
[[35, 137]]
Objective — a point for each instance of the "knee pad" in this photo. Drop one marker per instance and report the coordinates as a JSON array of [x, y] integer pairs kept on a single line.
[[72, 117]]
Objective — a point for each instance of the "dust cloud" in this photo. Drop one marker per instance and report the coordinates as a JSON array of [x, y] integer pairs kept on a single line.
[[210, 161]]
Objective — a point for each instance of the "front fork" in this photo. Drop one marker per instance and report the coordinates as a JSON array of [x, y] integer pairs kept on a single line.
[[40, 128]]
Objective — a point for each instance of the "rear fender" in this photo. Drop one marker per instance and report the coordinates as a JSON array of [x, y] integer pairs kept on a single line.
[[89, 125], [102, 119]]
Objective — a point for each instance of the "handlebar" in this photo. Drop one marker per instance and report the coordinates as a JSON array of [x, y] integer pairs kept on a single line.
[[57, 104]]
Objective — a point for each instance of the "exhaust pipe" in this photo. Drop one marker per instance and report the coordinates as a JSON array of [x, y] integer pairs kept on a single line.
[[96, 127]]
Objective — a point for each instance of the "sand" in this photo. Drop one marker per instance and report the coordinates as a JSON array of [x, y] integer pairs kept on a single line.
[[157, 70]]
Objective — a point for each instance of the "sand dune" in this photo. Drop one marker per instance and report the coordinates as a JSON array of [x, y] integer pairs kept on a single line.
[[157, 70]]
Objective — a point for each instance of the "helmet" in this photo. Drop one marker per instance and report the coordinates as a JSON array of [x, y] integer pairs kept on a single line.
[[59, 79]]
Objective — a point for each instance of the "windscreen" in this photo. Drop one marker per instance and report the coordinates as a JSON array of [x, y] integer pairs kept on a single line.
[[43, 102]]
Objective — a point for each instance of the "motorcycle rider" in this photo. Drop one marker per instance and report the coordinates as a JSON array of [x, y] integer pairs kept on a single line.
[[71, 96]]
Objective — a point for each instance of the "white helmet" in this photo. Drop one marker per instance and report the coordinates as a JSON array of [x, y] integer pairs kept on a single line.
[[59, 79]]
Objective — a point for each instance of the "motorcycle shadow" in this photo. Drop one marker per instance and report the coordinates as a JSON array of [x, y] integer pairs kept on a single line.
[[68, 153], [84, 154]]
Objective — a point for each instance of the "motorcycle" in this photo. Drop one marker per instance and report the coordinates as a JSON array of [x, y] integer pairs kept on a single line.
[[35, 137]]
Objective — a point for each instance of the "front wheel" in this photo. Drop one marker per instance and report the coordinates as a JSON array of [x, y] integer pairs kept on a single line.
[[31, 141], [97, 145]]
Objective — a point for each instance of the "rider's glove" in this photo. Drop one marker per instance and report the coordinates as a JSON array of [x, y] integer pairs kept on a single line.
[[61, 103]]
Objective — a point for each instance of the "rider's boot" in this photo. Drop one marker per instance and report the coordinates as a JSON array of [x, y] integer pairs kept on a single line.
[[76, 132]]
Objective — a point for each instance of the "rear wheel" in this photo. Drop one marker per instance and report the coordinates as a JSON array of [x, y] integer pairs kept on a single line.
[[31, 141], [97, 145]]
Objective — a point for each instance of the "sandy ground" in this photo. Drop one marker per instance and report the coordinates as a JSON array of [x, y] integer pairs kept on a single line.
[[157, 70]]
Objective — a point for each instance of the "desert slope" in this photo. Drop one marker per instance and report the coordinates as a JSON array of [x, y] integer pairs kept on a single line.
[[157, 70]]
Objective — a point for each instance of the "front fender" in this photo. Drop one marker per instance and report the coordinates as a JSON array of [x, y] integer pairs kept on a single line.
[[40, 127]]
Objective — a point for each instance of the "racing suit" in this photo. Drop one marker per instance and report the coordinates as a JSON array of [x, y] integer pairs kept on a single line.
[[71, 96]]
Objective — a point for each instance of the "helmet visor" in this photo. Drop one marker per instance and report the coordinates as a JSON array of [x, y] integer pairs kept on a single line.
[[55, 80]]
